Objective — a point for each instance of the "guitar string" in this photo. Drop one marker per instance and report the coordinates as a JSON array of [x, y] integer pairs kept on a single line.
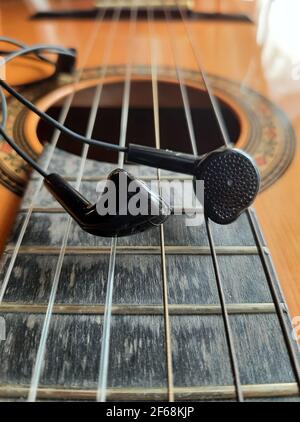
[[183, 90], [286, 330], [105, 348], [228, 331], [168, 337], [55, 137], [212, 98], [254, 225], [33, 391]]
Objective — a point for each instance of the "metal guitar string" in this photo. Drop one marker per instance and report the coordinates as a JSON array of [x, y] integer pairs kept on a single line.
[[89, 133], [92, 118], [168, 334], [213, 100], [104, 355]]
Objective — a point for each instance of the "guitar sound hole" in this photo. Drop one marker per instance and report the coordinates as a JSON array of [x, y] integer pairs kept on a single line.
[[174, 133]]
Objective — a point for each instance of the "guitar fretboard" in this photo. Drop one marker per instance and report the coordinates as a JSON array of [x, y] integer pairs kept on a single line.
[[201, 352]]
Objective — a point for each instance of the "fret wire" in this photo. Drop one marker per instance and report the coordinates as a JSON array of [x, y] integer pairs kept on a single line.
[[225, 317], [168, 337], [104, 177], [195, 393], [104, 354], [136, 309], [254, 225], [46, 325], [142, 250], [60, 210]]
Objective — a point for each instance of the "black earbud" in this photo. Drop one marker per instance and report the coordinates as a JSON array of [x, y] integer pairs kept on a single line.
[[231, 178], [231, 183], [122, 223]]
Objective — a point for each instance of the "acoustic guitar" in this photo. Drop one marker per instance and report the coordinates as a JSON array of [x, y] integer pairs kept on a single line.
[[179, 312]]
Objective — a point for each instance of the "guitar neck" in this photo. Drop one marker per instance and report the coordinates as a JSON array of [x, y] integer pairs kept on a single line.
[[56, 255]]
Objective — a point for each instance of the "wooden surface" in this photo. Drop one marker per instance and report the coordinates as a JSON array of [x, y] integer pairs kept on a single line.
[[228, 50]]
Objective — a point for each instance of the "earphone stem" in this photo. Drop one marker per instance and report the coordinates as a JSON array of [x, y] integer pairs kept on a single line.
[[71, 200], [163, 159]]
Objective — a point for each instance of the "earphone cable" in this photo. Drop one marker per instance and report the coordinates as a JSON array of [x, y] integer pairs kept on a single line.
[[36, 49], [68, 132], [17, 43]]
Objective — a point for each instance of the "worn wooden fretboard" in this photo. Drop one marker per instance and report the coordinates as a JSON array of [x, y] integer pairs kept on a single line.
[[202, 354]]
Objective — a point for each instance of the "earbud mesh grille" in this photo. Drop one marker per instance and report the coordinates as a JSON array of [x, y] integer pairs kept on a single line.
[[231, 182]]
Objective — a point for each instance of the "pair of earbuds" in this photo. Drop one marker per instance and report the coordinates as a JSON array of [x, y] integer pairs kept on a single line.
[[231, 177]]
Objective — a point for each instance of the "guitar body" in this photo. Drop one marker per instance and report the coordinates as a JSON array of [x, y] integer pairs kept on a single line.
[[260, 119]]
